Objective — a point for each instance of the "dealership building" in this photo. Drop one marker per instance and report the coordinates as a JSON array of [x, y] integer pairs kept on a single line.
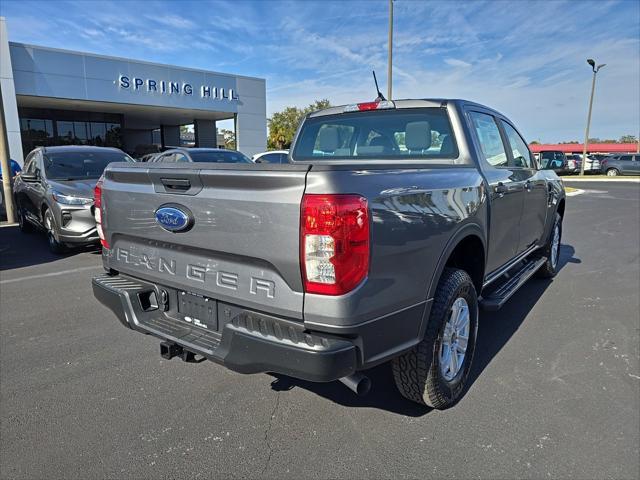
[[59, 97]]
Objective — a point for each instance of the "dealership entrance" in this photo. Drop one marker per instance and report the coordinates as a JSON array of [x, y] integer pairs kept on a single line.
[[61, 97], [135, 129]]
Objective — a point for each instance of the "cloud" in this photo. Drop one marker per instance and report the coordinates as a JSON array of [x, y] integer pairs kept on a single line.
[[173, 21], [455, 62], [496, 53]]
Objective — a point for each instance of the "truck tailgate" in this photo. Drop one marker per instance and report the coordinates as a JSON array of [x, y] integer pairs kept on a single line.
[[244, 241]]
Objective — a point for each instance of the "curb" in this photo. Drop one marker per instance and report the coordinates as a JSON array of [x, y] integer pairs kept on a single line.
[[600, 180], [578, 191]]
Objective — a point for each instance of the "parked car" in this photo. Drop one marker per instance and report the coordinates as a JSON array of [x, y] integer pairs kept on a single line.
[[391, 226], [626, 164], [217, 155], [592, 165], [273, 156], [558, 162], [54, 192]]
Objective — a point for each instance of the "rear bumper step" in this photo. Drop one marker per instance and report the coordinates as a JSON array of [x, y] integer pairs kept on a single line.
[[515, 279], [245, 341]]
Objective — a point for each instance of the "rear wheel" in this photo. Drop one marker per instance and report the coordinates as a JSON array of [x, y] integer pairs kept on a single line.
[[434, 372], [613, 172], [52, 234], [552, 251]]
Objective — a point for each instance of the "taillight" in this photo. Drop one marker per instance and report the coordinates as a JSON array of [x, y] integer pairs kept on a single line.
[[98, 212], [334, 243]]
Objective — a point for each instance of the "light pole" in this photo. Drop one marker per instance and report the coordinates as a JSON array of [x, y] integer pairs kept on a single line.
[[595, 69], [390, 59]]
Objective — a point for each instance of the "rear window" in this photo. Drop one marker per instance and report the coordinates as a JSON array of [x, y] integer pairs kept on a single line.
[[230, 156], [80, 165], [552, 155], [378, 134]]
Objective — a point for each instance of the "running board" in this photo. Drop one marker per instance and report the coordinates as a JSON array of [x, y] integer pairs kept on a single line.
[[498, 297]]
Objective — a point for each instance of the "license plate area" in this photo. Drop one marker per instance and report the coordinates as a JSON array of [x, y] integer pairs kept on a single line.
[[198, 310]]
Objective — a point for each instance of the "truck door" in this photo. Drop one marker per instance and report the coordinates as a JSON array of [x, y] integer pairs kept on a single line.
[[505, 191], [534, 211]]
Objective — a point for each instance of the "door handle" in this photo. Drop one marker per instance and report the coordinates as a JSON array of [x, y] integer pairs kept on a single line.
[[528, 185], [501, 189], [176, 184]]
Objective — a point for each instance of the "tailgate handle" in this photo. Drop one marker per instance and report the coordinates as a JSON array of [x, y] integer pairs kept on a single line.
[[176, 184]]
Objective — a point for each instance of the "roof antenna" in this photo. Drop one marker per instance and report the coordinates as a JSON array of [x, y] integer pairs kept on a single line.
[[380, 96]]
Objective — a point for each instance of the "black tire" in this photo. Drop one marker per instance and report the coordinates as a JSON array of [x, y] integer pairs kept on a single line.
[[613, 172], [549, 269], [50, 226], [23, 223], [417, 373]]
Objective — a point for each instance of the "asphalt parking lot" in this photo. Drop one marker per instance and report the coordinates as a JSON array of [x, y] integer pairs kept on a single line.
[[555, 393]]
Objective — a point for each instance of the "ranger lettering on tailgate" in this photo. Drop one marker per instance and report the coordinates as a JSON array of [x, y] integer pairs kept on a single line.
[[199, 273]]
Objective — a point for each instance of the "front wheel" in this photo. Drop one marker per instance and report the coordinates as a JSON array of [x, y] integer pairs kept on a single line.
[[52, 235], [613, 172], [435, 372], [23, 223]]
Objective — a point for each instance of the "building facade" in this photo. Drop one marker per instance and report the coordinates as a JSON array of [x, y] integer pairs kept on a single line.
[[57, 97]]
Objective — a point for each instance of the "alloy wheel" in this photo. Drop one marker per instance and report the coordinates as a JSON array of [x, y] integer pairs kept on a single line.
[[555, 245], [455, 337]]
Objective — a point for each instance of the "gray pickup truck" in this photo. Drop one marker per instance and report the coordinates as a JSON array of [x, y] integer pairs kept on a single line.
[[393, 223]]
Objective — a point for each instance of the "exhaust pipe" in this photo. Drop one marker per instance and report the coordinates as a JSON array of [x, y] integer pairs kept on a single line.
[[357, 383]]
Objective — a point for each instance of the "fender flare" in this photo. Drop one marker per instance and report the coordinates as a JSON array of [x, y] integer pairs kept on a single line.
[[467, 230]]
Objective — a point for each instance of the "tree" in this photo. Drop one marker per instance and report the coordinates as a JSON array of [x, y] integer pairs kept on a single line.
[[283, 125], [535, 142], [628, 139], [229, 139]]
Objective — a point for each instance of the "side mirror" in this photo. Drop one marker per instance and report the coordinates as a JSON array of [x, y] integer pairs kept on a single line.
[[30, 177]]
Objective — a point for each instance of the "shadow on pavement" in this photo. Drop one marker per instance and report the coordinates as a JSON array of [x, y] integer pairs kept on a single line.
[[19, 249], [494, 331]]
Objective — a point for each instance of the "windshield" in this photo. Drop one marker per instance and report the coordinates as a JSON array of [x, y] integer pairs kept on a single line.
[[230, 156], [378, 134], [80, 165]]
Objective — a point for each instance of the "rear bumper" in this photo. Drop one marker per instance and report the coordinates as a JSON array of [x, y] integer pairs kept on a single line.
[[245, 341]]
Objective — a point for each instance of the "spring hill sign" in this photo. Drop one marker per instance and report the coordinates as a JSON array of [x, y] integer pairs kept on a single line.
[[162, 87]]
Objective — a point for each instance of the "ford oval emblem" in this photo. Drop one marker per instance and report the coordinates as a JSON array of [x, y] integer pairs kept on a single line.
[[174, 218]]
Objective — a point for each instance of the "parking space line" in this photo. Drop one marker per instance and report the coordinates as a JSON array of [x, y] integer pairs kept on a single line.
[[52, 274]]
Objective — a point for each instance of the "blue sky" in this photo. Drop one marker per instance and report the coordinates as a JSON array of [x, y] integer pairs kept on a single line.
[[524, 58]]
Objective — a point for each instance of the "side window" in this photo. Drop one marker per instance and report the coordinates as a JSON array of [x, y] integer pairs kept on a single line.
[[270, 158], [167, 157], [490, 140], [521, 155], [626, 158], [284, 158], [37, 165], [180, 157]]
